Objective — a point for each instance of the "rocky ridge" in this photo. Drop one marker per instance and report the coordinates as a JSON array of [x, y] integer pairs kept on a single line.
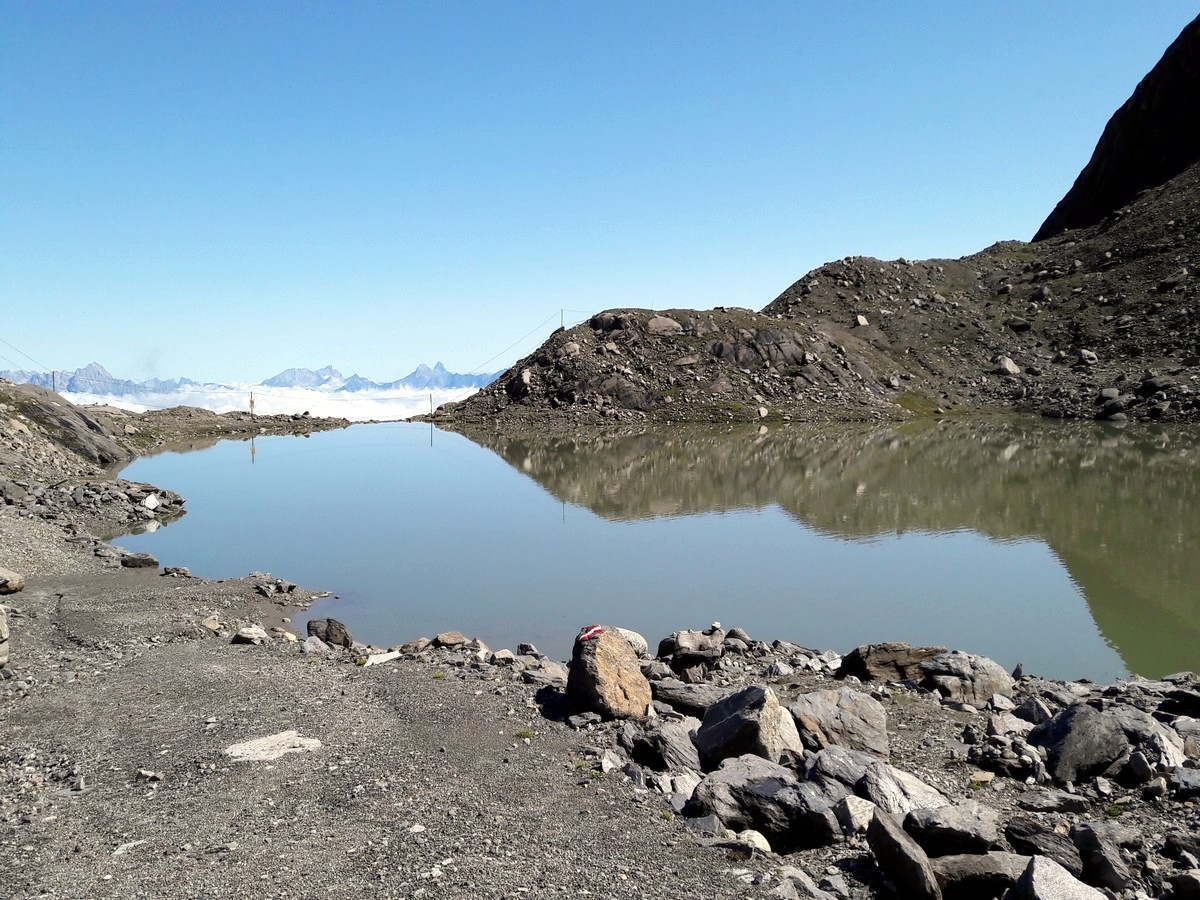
[[1097, 322]]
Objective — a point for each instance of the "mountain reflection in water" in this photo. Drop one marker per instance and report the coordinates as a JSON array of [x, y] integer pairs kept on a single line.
[[1119, 508], [1068, 547]]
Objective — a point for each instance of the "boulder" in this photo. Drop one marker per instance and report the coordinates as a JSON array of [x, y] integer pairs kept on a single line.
[[902, 859], [662, 325], [1103, 865], [751, 792], [1031, 839], [1081, 742], [1185, 784], [961, 828], [1044, 879], [965, 677], [138, 561], [972, 876], [897, 792], [748, 721], [11, 582], [450, 639], [664, 745], [331, 631], [844, 718], [604, 676], [636, 641], [684, 649], [689, 699], [891, 661], [250, 634], [1160, 745], [837, 765]]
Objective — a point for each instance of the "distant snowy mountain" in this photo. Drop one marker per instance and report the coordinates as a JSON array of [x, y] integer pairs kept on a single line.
[[422, 378], [95, 379], [328, 377]]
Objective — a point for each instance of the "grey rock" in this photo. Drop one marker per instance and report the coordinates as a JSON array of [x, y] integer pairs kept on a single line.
[[250, 634], [331, 631], [1033, 710], [545, 673], [1044, 879], [961, 828], [902, 859], [661, 325], [315, 646], [748, 721], [450, 639], [891, 661], [1081, 742], [854, 814], [685, 649], [973, 876], [139, 561], [796, 884], [837, 765], [1186, 885], [965, 677], [663, 745], [689, 699], [11, 582], [842, 717], [751, 792], [1102, 862], [897, 792], [1185, 784], [1053, 802], [604, 676], [1028, 837], [1160, 745], [636, 641]]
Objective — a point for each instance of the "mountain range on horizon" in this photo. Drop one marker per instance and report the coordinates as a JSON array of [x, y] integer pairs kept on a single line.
[[95, 379]]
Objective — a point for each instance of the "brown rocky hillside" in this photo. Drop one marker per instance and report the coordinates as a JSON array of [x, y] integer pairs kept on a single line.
[[1099, 322]]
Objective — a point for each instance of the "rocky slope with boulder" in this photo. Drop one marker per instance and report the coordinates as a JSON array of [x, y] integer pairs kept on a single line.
[[1098, 322]]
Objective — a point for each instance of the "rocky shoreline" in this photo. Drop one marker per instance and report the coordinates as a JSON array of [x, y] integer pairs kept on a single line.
[[167, 736]]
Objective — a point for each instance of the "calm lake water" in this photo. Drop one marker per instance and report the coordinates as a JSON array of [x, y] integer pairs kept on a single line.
[[1069, 548]]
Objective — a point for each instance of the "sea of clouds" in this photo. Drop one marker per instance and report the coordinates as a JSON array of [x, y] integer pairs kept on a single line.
[[389, 405]]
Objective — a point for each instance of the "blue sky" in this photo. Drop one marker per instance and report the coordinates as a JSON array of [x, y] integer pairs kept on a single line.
[[223, 190]]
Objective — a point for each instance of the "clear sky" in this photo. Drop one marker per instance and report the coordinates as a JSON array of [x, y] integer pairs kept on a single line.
[[223, 190]]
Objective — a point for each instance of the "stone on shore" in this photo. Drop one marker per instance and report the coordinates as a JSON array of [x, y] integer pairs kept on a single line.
[[251, 634], [664, 745], [688, 699], [890, 661], [604, 676], [685, 649], [3, 637], [902, 859], [1081, 742], [331, 631], [139, 561], [748, 721], [11, 582], [966, 677], [842, 717]]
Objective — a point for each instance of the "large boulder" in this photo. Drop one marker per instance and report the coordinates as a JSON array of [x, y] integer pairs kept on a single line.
[[844, 718], [965, 677], [1081, 742], [748, 721], [10, 581], [970, 876], [688, 699], [751, 792], [896, 791], [604, 676], [1032, 839], [664, 745], [902, 859], [685, 649], [891, 661], [331, 631], [961, 828]]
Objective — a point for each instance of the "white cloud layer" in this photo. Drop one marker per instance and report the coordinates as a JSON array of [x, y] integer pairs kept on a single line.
[[358, 407]]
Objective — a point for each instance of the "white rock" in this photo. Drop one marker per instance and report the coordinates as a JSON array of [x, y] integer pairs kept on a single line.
[[265, 749]]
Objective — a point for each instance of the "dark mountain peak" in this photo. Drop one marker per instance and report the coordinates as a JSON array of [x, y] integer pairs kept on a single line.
[[1152, 138]]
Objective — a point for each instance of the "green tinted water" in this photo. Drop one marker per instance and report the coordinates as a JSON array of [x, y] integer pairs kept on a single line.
[[1071, 549]]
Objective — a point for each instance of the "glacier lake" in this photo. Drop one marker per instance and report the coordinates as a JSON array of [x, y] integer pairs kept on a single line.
[[1070, 548]]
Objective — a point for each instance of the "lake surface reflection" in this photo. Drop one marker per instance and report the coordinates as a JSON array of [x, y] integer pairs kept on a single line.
[[1070, 548]]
